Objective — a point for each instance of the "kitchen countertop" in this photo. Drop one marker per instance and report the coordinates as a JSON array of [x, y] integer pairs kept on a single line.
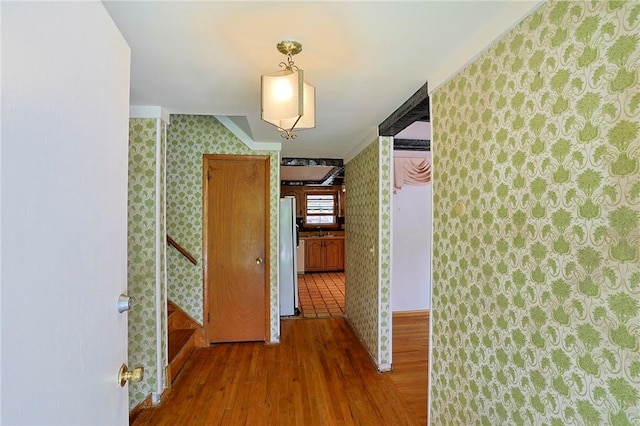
[[308, 235]]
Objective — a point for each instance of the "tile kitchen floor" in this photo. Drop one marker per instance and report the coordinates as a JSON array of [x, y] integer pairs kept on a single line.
[[321, 294]]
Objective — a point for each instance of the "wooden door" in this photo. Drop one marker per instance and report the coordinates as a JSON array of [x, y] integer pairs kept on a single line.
[[236, 192]]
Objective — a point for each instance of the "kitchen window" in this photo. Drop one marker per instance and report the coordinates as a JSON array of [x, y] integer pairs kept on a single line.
[[320, 209]]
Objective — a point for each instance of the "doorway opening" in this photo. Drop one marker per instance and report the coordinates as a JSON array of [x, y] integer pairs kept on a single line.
[[317, 185], [410, 287], [410, 127]]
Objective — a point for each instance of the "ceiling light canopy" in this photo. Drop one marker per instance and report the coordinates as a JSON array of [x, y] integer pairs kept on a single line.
[[287, 101]]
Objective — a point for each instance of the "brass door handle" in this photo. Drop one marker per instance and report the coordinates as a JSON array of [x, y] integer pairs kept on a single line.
[[134, 375], [259, 260]]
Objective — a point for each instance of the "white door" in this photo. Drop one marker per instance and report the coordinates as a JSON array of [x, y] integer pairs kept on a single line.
[[65, 100]]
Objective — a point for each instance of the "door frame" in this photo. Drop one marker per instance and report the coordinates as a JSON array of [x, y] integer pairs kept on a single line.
[[206, 158]]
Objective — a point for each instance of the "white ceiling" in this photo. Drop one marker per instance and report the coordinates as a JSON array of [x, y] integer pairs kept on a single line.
[[364, 58]]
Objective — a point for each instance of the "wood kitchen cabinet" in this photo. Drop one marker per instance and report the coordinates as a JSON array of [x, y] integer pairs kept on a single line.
[[324, 254], [334, 254]]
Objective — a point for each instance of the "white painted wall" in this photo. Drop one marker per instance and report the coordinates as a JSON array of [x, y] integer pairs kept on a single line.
[[411, 255], [65, 114]]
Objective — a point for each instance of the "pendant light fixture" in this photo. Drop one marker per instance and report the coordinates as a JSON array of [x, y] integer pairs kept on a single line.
[[287, 101]]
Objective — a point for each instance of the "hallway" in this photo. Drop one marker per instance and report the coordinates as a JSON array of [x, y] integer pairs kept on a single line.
[[318, 375]]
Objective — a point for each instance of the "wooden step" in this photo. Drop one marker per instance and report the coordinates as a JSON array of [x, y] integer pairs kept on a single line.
[[178, 319], [177, 340], [184, 335], [174, 318], [171, 309], [181, 344]]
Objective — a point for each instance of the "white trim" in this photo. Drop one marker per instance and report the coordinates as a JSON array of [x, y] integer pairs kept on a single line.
[[163, 245], [383, 367], [276, 339], [156, 396], [246, 139], [379, 254], [430, 337], [391, 180], [148, 111], [1, 222]]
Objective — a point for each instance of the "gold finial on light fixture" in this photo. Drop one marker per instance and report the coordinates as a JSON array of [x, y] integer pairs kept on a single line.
[[287, 101]]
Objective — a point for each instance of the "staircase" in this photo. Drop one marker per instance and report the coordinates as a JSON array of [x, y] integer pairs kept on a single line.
[[185, 334]]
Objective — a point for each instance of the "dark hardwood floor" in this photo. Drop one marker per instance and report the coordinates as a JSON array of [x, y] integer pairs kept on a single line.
[[318, 375]]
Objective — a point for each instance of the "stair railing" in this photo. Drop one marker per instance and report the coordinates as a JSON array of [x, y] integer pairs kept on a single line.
[[182, 250]]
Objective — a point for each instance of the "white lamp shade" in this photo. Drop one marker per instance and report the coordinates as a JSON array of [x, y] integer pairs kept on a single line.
[[282, 105], [281, 98], [308, 119]]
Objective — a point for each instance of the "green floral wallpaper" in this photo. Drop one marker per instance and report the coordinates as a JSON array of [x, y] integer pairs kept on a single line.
[[536, 294], [188, 138], [367, 301], [142, 254]]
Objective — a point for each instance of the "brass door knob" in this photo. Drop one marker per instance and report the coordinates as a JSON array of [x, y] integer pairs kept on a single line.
[[259, 260], [134, 375]]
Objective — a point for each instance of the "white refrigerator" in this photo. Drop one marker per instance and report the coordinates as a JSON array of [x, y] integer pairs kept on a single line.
[[288, 242]]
